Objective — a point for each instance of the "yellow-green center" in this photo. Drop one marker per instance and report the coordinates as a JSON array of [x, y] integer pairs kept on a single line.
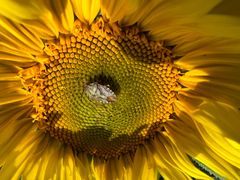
[[105, 90]]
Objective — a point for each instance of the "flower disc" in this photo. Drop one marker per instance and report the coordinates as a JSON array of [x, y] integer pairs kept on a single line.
[[103, 90]]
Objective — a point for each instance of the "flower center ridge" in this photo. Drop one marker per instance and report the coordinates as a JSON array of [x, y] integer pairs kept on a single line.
[[103, 89]]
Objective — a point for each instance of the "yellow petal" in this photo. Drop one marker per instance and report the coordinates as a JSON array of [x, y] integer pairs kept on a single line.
[[43, 29], [189, 141], [33, 14], [88, 171], [220, 92], [141, 167], [220, 118], [86, 11], [209, 25], [38, 161], [115, 10], [164, 162], [19, 37], [8, 72], [204, 46], [218, 143], [166, 19], [218, 82], [192, 78], [209, 113], [230, 7], [8, 54], [177, 159], [143, 9], [112, 168], [9, 123], [63, 15], [21, 9], [20, 145], [177, 11], [189, 62]]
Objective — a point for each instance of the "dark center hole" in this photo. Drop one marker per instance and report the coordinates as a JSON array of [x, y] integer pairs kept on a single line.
[[108, 81]]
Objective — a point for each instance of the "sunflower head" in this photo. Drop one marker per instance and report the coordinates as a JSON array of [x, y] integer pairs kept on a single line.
[[118, 90], [103, 89]]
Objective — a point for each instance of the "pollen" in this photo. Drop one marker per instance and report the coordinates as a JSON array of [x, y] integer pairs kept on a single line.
[[104, 89]]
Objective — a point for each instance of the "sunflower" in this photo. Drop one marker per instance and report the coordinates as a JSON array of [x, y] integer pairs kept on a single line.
[[119, 89]]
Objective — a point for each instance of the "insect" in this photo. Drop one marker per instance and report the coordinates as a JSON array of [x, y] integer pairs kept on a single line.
[[101, 93]]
